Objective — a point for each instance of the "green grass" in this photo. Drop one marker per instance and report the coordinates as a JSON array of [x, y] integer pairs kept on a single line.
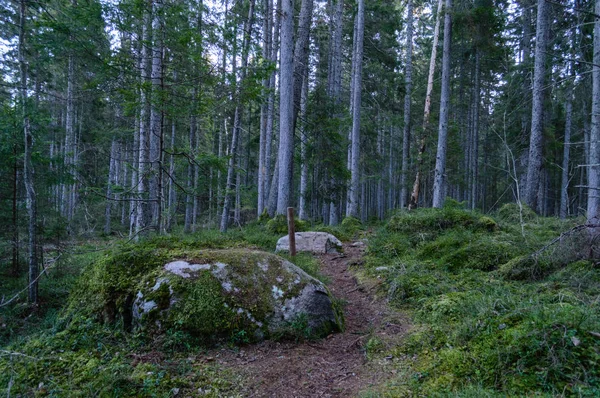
[[490, 319]]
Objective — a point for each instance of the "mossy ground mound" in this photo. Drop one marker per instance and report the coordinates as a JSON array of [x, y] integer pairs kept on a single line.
[[492, 319]]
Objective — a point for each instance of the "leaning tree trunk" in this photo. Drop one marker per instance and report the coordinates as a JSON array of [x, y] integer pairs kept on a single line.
[[534, 164], [352, 201], [407, 103], [31, 200], [414, 197]]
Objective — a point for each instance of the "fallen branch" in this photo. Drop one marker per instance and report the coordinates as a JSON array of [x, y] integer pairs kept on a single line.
[[17, 354], [5, 303]]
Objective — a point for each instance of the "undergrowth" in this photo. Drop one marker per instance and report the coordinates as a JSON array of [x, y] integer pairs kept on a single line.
[[495, 315], [63, 348]]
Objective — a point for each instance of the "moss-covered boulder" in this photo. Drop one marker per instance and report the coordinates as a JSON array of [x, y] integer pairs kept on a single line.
[[224, 293]]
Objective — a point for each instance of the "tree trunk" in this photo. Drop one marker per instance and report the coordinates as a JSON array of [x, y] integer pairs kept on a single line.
[[155, 116], [414, 197], [407, 104], [474, 167], [593, 205], [439, 184], [286, 108], [172, 191], [144, 140], [564, 186], [534, 164], [15, 216], [28, 172], [237, 118], [112, 171], [264, 109], [191, 170], [334, 87], [67, 206], [302, 213], [352, 201]]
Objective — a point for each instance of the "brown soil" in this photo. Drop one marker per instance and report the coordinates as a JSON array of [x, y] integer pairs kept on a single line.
[[336, 366]]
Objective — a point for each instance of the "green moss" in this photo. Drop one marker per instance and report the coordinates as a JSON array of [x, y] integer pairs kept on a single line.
[[522, 329], [513, 213], [279, 225], [488, 223], [352, 224]]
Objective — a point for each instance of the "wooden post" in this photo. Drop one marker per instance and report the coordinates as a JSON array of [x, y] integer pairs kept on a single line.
[[291, 231]]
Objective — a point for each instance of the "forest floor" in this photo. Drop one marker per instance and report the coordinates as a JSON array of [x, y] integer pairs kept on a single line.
[[336, 366]]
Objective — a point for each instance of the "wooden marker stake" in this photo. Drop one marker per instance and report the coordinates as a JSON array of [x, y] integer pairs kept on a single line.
[[291, 231]]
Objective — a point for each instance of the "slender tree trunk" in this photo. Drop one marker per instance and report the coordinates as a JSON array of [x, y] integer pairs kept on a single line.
[[334, 86], [534, 164], [302, 213], [156, 116], [414, 197], [28, 173], [264, 109], [286, 108], [352, 202], [593, 205], [407, 104], [191, 169], [237, 118], [301, 52], [474, 167], [112, 169], [271, 116], [172, 191], [15, 216], [439, 185], [564, 186], [67, 205], [144, 140]]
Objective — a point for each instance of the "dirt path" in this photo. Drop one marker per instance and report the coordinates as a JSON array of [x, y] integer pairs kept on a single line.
[[333, 367]]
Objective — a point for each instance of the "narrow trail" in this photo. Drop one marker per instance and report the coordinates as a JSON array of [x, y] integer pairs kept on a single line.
[[336, 366]]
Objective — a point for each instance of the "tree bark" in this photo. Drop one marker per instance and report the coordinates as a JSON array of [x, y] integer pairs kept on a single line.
[[264, 109], [286, 108], [352, 202], [334, 87], [534, 164], [407, 104], [156, 116], [593, 205], [302, 213], [141, 219], [112, 170], [439, 184], [31, 200]]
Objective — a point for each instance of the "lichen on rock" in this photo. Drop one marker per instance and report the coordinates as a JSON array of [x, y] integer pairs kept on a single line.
[[216, 293]]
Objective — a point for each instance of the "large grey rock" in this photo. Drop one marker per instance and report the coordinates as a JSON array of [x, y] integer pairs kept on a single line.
[[227, 292], [313, 242]]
